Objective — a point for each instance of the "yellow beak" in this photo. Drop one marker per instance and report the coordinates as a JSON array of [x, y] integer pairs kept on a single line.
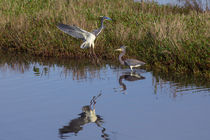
[[118, 50]]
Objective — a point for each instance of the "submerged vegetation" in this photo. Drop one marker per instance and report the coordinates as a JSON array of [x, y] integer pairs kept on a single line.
[[171, 38]]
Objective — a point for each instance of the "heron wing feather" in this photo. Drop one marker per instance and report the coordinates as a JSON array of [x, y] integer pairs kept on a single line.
[[133, 62], [73, 31]]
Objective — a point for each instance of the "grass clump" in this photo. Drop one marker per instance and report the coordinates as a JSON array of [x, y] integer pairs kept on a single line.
[[168, 37]]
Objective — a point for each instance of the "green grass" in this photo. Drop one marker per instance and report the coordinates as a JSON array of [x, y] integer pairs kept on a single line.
[[167, 37]]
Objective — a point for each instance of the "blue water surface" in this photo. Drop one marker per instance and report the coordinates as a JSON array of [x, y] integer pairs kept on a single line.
[[41, 101]]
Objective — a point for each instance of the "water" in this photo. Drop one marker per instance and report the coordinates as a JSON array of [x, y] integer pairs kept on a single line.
[[202, 3], [40, 99]]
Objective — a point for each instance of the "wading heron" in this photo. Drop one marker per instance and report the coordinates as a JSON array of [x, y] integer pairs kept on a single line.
[[128, 62], [87, 37]]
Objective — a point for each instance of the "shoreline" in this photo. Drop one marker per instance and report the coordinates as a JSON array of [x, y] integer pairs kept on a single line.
[[167, 37]]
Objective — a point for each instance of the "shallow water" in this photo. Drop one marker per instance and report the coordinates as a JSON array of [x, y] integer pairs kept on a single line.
[[41, 99]]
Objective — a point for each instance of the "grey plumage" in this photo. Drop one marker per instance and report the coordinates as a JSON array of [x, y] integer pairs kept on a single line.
[[73, 31], [133, 62], [96, 32], [129, 62]]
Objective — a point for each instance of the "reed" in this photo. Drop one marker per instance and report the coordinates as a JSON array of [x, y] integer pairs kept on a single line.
[[170, 38]]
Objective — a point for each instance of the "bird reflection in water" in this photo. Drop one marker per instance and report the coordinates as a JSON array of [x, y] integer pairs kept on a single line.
[[129, 76], [88, 115]]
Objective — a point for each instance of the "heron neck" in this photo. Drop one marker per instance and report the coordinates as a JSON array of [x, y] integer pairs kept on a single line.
[[120, 58], [101, 27], [102, 23]]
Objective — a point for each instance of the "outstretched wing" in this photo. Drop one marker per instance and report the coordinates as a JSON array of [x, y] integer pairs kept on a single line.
[[73, 31]]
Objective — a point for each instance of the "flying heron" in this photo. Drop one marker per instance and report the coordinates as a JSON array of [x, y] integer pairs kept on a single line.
[[87, 37], [128, 62]]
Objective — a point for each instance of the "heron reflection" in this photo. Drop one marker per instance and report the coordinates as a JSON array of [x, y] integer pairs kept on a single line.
[[129, 76], [88, 115]]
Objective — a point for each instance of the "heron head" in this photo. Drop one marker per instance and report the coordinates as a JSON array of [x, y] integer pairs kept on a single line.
[[105, 18], [122, 48]]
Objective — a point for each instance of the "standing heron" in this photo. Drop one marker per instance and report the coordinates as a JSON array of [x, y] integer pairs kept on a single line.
[[128, 62], [87, 37]]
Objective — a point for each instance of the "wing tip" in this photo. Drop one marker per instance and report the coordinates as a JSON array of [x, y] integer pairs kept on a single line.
[[60, 25]]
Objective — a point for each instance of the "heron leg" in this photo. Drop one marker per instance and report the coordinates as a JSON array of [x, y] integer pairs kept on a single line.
[[131, 68], [93, 51], [95, 56]]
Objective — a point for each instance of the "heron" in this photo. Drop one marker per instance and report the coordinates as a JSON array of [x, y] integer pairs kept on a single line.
[[128, 62], [87, 37]]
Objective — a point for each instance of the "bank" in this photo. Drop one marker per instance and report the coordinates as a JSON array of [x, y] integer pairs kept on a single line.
[[168, 38]]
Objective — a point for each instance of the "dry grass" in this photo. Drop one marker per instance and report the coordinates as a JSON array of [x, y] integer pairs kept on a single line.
[[168, 37]]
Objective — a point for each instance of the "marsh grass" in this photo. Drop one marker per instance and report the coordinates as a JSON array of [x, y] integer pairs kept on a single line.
[[170, 38]]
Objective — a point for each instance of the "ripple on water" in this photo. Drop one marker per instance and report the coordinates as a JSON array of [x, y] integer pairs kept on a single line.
[[44, 97]]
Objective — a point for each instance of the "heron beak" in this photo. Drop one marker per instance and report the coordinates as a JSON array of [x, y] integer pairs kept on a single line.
[[118, 49], [108, 18]]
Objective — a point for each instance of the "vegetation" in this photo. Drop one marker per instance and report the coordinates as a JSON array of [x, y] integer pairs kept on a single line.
[[84, 69], [169, 38]]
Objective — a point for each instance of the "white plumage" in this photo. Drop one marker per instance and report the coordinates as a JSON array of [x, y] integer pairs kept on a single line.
[[87, 37]]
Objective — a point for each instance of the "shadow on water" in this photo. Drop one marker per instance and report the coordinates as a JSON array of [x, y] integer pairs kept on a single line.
[[129, 76], [85, 69], [78, 69], [88, 115]]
